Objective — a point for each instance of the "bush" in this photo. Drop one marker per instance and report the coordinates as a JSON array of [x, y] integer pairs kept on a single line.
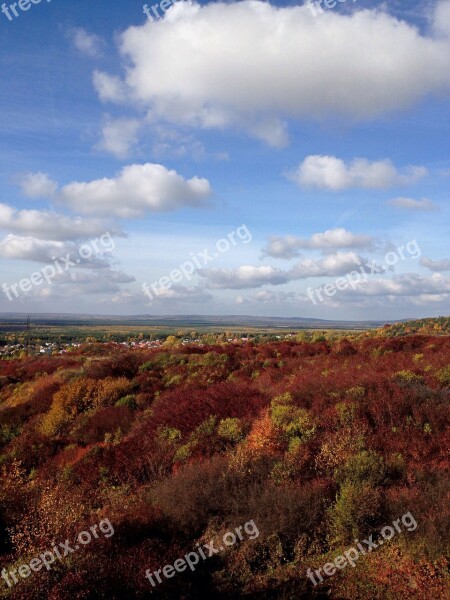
[[365, 467], [230, 429], [8, 433], [408, 377], [128, 401], [94, 427], [291, 420], [346, 412], [79, 396], [356, 509], [443, 376], [196, 493]]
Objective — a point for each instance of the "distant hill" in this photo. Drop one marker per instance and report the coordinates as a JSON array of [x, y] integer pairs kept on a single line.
[[190, 321], [439, 325]]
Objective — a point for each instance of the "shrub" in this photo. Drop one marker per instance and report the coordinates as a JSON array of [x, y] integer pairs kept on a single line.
[[8, 433], [111, 390], [395, 466], [291, 420], [408, 377], [128, 401], [185, 408], [93, 428], [195, 493], [337, 448], [296, 465], [201, 441], [366, 466], [346, 412], [123, 364], [168, 435], [356, 393], [230, 429], [443, 376], [345, 348], [356, 508], [79, 396]]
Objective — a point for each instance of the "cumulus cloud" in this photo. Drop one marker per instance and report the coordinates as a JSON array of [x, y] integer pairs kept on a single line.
[[247, 276], [407, 290], [331, 173], [37, 185], [136, 190], [119, 136], [332, 265], [76, 283], [172, 143], [411, 204], [52, 226], [333, 239], [244, 277], [409, 284], [95, 279], [29, 248], [109, 88], [87, 43], [294, 66], [46, 251], [267, 297], [436, 266], [441, 20], [402, 290]]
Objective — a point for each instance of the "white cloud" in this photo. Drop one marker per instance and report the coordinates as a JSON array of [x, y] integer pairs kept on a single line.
[[241, 300], [46, 251], [137, 189], [436, 265], [119, 136], [75, 283], [409, 284], [277, 297], [331, 173], [332, 265], [109, 88], [269, 296], [181, 294], [37, 185], [442, 19], [247, 276], [108, 277], [52, 226], [87, 43], [407, 290], [244, 277], [171, 143], [332, 239], [29, 248], [272, 131], [411, 204], [294, 66]]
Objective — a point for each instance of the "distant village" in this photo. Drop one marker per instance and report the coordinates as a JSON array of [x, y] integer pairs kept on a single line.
[[15, 349]]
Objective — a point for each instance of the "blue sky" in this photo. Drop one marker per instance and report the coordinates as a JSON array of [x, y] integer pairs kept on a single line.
[[326, 136]]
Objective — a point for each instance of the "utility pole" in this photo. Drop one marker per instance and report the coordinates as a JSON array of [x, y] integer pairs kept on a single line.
[[28, 335]]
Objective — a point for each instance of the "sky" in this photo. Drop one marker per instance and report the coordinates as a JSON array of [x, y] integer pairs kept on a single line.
[[275, 159]]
